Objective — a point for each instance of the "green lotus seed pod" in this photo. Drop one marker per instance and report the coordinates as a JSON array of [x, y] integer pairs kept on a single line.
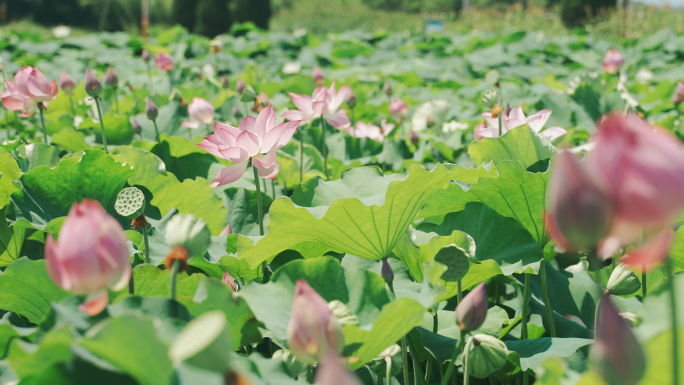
[[490, 99], [623, 281], [485, 355], [204, 343], [190, 232], [248, 94], [456, 261], [130, 202]]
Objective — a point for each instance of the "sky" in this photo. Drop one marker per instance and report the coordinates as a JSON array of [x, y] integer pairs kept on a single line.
[[672, 3]]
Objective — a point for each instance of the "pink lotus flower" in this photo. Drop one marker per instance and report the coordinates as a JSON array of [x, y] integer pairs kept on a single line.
[[200, 111], [332, 371], [515, 119], [318, 75], [255, 139], [313, 331], [679, 93], [651, 254], [66, 82], [613, 61], [229, 280], [226, 230], [29, 89], [398, 108], [371, 131], [324, 102], [163, 61], [90, 257]]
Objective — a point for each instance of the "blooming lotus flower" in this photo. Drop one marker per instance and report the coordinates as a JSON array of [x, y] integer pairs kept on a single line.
[[613, 61], [679, 93], [29, 89], [324, 102], [229, 280], [652, 253], [200, 111], [515, 119], [317, 75], [313, 331], [472, 311], [90, 257], [146, 55], [398, 108], [254, 138], [110, 78], [371, 131], [66, 82], [332, 371], [164, 61], [580, 210]]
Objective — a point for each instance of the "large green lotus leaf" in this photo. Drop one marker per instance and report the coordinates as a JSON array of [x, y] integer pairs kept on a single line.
[[130, 344], [28, 290], [659, 357], [69, 139], [656, 312], [149, 281], [516, 194], [521, 144], [27, 359], [243, 211], [367, 227], [11, 241], [215, 295], [677, 249], [289, 160], [30, 156], [9, 173], [183, 157], [191, 196], [533, 353], [472, 175], [48, 193], [117, 128], [497, 237]]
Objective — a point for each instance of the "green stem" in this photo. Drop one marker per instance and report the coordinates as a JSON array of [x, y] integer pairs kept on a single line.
[[500, 125], [404, 356], [452, 362], [309, 374], [352, 116], [265, 268], [526, 300], [172, 279], [116, 100], [643, 282], [435, 329], [71, 102], [381, 380], [388, 369], [273, 188], [417, 369], [16, 122], [301, 155], [42, 122], [156, 131], [545, 296], [7, 124], [99, 113], [460, 291], [131, 285], [466, 376], [673, 322], [325, 150], [149, 78], [146, 239], [596, 313]]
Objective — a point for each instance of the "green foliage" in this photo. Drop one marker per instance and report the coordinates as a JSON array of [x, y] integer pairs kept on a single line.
[[257, 11], [212, 17]]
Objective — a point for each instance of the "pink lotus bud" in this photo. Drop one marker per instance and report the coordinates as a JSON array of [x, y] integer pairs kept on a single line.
[[580, 210], [66, 82], [226, 230], [616, 352], [201, 110], [151, 110], [229, 280], [236, 112], [387, 88], [92, 84], [313, 331], [332, 371], [146, 55], [613, 61], [679, 93], [386, 271], [414, 138], [398, 108], [652, 253], [224, 81], [164, 61], [110, 78], [472, 311], [91, 255], [643, 168], [240, 86], [350, 99], [318, 75], [137, 128]]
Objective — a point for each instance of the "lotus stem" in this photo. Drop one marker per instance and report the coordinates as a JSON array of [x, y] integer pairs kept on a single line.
[[301, 155], [452, 362], [156, 131], [417, 369], [466, 377], [7, 124], [325, 150], [545, 296], [404, 356], [352, 116], [430, 363], [388, 370], [265, 268], [310, 374], [673, 322], [500, 125], [146, 239], [131, 285], [381, 380], [16, 122], [526, 300], [99, 113], [116, 100], [273, 188], [71, 102], [149, 78], [460, 291], [643, 282], [42, 122], [173, 278]]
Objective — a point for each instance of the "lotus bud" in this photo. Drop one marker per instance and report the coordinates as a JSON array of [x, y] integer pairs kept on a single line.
[[491, 99], [146, 55], [236, 112], [485, 355], [507, 110], [472, 311], [623, 281], [332, 371], [616, 353], [679, 93], [66, 82], [581, 211], [110, 78], [387, 88], [313, 331], [164, 61], [398, 108], [248, 94], [318, 75], [229, 280], [92, 84], [226, 230], [240, 86], [351, 99], [190, 232], [151, 110], [137, 128], [414, 138], [224, 81], [386, 272], [613, 61]]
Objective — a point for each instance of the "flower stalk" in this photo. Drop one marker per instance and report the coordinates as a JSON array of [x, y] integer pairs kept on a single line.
[[301, 155], [325, 150], [452, 361], [545, 296], [99, 114], [673, 321], [41, 107], [265, 268], [526, 300]]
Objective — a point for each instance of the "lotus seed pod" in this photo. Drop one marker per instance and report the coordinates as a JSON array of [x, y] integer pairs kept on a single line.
[[190, 232], [456, 261], [623, 281], [490, 99], [130, 202], [248, 94], [486, 355], [204, 343]]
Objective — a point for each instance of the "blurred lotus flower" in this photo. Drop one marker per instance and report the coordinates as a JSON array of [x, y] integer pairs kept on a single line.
[[398, 108], [371, 131], [414, 137], [236, 112], [137, 128], [324, 102], [616, 352], [29, 89], [429, 114], [292, 67], [61, 32], [652, 253], [255, 139], [517, 118], [146, 55], [66, 82], [110, 78], [226, 230], [332, 371], [613, 61], [472, 311], [92, 84], [229, 280], [200, 111], [387, 88], [151, 110], [240, 86], [90, 257], [163, 61], [318, 75], [224, 81], [453, 126], [580, 210], [313, 331], [350, 99], [679, 93], [386, 271], [215, 45]]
